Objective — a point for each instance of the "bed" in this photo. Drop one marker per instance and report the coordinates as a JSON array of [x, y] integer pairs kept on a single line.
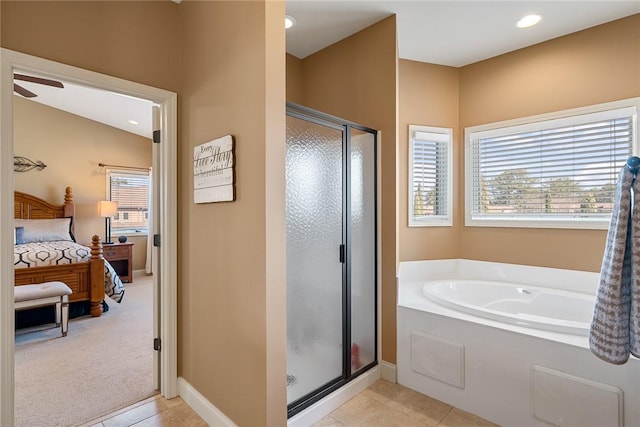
[[40, 240]]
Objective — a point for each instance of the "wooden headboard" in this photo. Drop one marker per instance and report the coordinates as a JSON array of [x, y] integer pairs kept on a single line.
[[27, 206]]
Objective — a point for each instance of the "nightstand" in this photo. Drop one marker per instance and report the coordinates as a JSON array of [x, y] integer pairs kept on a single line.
[[119, 256]]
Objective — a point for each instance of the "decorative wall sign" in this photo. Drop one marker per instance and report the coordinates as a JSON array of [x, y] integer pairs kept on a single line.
[[22, 164], [213, 171]]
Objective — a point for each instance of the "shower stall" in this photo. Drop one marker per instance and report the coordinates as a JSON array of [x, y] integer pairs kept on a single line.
[[331, 254]]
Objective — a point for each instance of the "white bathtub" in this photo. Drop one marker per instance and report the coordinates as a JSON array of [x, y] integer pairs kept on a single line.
[[509, 343], [517, 304]]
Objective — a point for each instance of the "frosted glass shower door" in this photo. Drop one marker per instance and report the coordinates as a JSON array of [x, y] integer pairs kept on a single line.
[[363, 249], [314, 214]]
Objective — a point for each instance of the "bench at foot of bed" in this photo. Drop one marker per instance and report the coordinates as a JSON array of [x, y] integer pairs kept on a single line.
[[42, 294]]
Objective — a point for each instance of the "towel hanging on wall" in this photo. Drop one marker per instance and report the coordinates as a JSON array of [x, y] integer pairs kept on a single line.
[[615, 327]]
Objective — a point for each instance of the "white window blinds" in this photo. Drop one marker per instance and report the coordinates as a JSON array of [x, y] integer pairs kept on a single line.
[[555, 170], [430, 174], [131, 191]]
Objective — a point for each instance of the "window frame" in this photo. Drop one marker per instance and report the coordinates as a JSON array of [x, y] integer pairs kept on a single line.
[[632, 105], [133, 231], [437, 220]]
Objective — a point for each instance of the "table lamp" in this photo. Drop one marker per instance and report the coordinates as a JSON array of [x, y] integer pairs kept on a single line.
[[107, 209]]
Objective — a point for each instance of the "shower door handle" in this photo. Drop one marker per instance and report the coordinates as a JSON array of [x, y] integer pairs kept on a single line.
[[342, 253]]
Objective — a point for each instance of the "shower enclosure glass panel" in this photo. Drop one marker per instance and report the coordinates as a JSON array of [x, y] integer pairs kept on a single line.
[[362, 249], [314, 209], [331, 254]]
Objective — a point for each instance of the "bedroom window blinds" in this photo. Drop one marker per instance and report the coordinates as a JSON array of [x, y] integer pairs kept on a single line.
[[131, 190], [554, 173], [430, 176]]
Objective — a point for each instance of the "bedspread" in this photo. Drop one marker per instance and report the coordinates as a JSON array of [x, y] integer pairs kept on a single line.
[[65, 252]]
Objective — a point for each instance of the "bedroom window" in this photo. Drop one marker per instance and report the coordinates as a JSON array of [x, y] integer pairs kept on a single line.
[[555, 170], [131, 190], [430, 176]]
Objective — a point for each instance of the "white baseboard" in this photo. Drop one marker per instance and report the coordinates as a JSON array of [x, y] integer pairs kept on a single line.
[[207, 410], [215, 417], [388, 372], [325, 406]]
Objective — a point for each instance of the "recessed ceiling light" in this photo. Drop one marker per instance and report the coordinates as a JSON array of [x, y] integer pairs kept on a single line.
[[133, 122], [289, 21], [529, 21]]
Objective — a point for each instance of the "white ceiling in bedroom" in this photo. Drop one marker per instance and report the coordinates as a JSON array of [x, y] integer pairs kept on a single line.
[[110, 108]]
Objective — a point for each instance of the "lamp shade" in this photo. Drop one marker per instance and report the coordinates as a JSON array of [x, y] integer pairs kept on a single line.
[[107, 209]]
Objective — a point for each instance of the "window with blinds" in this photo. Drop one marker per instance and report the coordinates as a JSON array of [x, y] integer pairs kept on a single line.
[[430, 176], [131, 190], [549, 173]]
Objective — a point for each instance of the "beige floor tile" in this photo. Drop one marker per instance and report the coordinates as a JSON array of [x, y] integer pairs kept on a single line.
[[134, 415], [385, 416], [459, 418], [355, 411], [423, 408], [142, 412], [177, 416], [383, 404], [329, 421], [383, 391], [364, 410]]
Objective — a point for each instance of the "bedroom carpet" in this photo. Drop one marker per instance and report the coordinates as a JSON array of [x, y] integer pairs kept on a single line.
[[104, 364]]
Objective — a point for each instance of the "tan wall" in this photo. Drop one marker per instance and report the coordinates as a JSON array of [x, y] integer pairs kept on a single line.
[[593, 66], [294, 80], [231, 299], [275, 218], [428, 96], [134, 40], [224, 278], [226, 275], [72, 147], [357, 82], [224, 282]]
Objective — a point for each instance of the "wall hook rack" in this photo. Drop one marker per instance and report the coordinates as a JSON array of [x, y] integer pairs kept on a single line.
[[22, 164]]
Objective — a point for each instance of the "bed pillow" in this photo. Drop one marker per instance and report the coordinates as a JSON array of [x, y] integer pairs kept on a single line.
[[18, 236], [45, 230]]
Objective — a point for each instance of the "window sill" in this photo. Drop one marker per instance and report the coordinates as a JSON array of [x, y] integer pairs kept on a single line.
[[575, 224], [431, 222], [129, 234]]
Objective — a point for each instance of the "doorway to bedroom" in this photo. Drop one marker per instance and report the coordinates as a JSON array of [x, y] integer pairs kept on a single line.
[[120, 358], [71, 147]]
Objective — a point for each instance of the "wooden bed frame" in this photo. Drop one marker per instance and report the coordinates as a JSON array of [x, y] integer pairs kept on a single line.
[[86, 279]]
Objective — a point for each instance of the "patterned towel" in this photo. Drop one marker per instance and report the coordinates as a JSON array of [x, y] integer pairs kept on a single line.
[[634, 326], [616, 317]]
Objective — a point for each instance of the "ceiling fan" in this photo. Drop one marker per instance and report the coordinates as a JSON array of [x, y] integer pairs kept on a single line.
[[27, 93]]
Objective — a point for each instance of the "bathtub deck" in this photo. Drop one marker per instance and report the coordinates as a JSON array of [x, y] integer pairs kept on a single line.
[[508, 374]]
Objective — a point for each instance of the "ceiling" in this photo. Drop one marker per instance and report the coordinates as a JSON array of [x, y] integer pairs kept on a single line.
[[110, 108], [445, 32]]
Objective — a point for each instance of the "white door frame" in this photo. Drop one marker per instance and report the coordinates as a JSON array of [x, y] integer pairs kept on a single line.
[[167, 171]]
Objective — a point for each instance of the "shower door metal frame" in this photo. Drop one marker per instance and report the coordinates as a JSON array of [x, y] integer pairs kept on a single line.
[[344, 251]]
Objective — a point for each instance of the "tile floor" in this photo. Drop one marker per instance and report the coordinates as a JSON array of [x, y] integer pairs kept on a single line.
[[151, 412], [384, 404]]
